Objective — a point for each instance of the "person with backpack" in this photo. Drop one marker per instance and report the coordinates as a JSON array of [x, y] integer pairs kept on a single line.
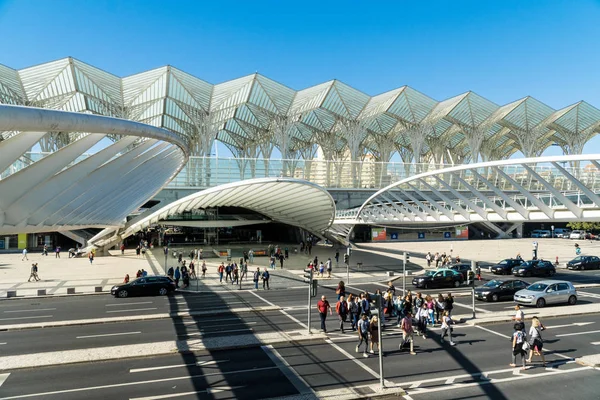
[[204, 269], [407, 333], [341, 308], [519, 340], [170, 272], [265, 279], [536, 343], [256, 277], [363, 334], [354, 310]]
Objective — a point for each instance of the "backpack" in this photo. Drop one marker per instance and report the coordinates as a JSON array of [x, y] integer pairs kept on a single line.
[[520, 336], [354, 309]]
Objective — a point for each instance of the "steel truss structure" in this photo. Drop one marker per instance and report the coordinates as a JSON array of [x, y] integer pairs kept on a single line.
[[253, 115], [502, 191], [65, 191]]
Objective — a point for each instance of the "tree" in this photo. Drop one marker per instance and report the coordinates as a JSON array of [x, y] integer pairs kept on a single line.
[[585, 226]]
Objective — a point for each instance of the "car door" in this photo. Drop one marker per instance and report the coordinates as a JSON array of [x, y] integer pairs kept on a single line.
[[595, 262], [438, 279], [506, 291], [152, 285], [563, 290], [552, 294], [137, 287]]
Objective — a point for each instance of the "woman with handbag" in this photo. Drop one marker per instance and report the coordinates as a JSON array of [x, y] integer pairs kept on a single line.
[[519, 344], [536, 342]]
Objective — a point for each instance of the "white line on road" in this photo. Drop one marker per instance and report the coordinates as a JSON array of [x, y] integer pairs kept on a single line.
[[128, 304], [481, 310], [296, 320], [592, 343], [2, 343], [294, 377], [3, 378], [39, 309], [216, 389], [198, 364], [108, 334], [219, 332], [568, 325], [494, 332], [199, 322], [133, 309], [117, 385], [32, 317], [577, 333]]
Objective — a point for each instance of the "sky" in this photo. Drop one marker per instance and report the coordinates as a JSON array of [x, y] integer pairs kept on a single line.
[[502, 50]]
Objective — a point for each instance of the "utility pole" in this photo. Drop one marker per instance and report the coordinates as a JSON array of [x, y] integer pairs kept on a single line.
[[308, 277], [379, 314], [474, 269], [166, 251], [404, 261], [347, 262]]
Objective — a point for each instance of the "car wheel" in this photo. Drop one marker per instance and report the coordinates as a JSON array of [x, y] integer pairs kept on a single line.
[[495, 297], [572, 300], [540, 303], [426, 285], [456, 284], [122, 293], [551, 272], [163, 291]]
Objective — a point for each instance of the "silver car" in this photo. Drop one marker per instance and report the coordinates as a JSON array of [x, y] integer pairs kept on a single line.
[[547, 292]]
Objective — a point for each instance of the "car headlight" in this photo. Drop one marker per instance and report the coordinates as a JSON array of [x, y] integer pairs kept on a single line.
[[521, 270], [485, 293], [420, 279], [529, 297]]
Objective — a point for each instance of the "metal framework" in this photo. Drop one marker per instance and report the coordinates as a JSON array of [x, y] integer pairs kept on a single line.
[[65, 190], [254, 114], [501, 191]]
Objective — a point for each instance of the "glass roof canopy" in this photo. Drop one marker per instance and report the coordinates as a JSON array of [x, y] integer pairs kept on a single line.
[[253, 114]]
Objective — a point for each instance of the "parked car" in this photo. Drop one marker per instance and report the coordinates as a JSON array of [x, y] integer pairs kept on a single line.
[[150, 285], [535, 268], [577, 235], [562, 233], [584, 262], [547, 292], [496, 290], [505, 267], [463, 268], [439, 278], [541, 233]]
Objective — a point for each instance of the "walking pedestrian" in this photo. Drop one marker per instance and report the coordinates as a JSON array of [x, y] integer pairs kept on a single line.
[[328, 267], [440, 308], [447, 328], [340, 290], [407, 332], [256, 277], [341, 308], [91, 257], [337, 257], [34, 273], [204, 269], [170, 272], [220, 270], [363, 334], [265, 279], [177, 276], [518, 341], [122, 249], [138, 250], [536, 343], [24, 255], [236, 275], [430, 304], [57, 252], [478, 269], [421, 316], [193, 271], [354, 310], [519, 314], [323, 306], [228, 269], [251, 256], [281, 259], [449, 304]]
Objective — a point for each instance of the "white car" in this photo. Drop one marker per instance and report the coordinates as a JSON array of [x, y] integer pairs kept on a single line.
[[577, 235]]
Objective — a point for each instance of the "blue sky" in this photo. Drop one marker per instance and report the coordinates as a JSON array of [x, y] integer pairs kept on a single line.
[[503, 50]]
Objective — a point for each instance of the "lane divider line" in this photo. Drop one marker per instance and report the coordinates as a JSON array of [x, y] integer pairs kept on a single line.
[[107, 334], [198, 364], [39, 309], [133, 309]]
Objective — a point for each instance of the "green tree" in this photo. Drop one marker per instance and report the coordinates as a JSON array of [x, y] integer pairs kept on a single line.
[[585, 226]]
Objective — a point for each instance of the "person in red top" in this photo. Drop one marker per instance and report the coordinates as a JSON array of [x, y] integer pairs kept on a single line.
[[323, 306], [220, 270], [342, 311]]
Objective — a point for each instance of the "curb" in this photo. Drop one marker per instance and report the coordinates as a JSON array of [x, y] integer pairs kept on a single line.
[[589, 361], [95, 321], [112, 353], [508, 318], [53, 296]]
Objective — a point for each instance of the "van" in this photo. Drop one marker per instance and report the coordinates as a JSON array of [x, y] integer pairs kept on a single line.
[[541, 233], [562, 233]]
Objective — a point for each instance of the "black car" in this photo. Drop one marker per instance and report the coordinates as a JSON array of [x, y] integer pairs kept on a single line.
[[535, 268], [505, 267], [498, 289], [439, 278], [150, 285], [584, 262], [462, 268]]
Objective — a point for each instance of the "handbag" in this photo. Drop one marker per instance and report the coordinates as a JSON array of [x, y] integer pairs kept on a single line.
[[525, 346]]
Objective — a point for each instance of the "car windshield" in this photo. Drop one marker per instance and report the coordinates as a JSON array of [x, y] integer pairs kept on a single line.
[[493, 283], [431, 273], [503, 262], [537, 287]]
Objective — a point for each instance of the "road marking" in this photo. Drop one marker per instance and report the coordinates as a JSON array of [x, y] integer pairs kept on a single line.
[[108, 334], [567, 325], [36, 316], [39, 309], [2, 343], [147, 382], [201, 321], [296, 320], [198, 364], [128, 304], [3, 378], [299, 383], [216, 389], [593, 343], [577, 333], [494, 332], [133, 309], [204, 333], [296, 308], [481, 310]]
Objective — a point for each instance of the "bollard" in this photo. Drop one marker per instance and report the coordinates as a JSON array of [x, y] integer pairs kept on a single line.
[[71, 290], [41, 292], [390, 273], [11, 293], [98, 289]]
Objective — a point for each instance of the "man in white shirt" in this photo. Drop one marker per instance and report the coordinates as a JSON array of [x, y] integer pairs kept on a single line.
[[25, 255], [519, 314]]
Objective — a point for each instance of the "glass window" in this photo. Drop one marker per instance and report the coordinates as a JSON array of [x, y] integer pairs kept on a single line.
[[563, 286], [552, 288]]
